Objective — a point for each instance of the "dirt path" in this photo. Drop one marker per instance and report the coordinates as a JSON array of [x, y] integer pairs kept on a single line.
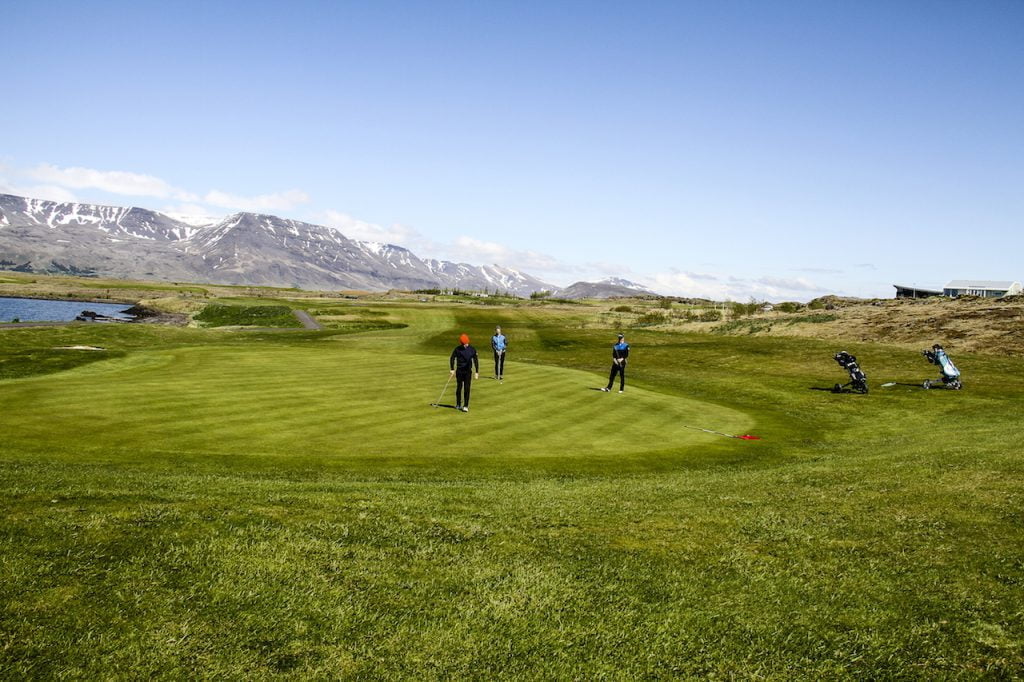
[[307, 320]]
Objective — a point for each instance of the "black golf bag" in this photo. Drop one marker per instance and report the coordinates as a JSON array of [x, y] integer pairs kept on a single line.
[[948, 373], [858, 380]]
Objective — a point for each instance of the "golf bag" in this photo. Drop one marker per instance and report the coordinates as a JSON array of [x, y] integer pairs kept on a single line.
[[858, 380], [949, 375]]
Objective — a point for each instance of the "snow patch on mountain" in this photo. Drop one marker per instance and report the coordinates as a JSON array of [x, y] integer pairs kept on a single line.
[[242, 248]]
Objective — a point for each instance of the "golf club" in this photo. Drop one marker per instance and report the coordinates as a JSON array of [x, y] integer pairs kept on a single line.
[[442, 391]]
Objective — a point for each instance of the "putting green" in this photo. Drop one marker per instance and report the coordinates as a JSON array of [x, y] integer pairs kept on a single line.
[[325, 400]]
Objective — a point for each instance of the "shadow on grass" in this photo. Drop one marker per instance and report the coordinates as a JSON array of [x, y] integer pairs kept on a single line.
[[832, 389]]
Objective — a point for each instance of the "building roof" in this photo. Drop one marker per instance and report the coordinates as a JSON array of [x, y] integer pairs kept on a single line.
[[922, 289], [979, 284]]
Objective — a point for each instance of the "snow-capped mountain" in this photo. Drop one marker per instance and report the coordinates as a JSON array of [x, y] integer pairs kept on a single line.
[[112, 220], [619, 282], [480, 277], [605, 288], [244, 248]]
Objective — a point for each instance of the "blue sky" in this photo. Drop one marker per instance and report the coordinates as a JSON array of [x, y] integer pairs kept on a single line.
[[725, 149]]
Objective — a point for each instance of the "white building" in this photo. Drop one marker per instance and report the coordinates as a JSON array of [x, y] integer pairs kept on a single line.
[[981, 287]]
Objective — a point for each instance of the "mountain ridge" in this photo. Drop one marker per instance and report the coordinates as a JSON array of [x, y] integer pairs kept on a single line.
[[247, 248], [37, 235]]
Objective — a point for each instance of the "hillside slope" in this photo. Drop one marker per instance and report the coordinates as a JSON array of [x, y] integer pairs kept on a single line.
[[980, 325]]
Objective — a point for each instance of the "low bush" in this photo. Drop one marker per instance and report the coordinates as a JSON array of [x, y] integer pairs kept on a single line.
[[219, 315], [710, 316], [739, 326], [649, 320], [814, 319]]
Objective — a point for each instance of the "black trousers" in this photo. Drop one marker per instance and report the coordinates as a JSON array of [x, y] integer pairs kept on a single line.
[[462, 384], [499, 363], [621, 371]]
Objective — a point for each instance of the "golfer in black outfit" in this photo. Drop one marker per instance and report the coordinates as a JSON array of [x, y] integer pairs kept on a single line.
[[468, 365], [620, 353]]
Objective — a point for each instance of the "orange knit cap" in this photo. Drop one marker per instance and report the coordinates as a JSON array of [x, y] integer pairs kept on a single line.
[[464, 338]]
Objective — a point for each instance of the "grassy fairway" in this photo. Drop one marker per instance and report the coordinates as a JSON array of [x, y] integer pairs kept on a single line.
[[205, 503], [331, 403]]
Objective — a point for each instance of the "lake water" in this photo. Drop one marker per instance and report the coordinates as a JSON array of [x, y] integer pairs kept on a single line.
[[36, 310]]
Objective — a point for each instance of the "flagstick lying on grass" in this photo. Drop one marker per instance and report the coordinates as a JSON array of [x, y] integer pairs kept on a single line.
[[719, 433]]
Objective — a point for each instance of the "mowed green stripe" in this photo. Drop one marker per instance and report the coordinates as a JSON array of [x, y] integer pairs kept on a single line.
[[282, 400]]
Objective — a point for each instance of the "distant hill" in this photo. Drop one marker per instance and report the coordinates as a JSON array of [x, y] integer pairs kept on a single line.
[[243, 248], [606, 288]]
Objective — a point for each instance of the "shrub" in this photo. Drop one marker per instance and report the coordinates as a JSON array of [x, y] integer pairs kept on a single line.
[[814, 319], [789, 307], [622, 309], [710, 316], [219, 315], [748, 326], [744, 309], [649, 319]]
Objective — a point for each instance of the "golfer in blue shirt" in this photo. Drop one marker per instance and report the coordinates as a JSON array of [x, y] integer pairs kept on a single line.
[[620, 352], [499, 344]]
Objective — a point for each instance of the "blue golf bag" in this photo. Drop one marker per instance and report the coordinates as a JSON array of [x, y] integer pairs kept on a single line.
[[949, 375]]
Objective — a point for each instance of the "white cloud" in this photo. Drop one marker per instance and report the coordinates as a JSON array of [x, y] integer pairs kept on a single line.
[[115, 182], [705, 285], [353, 228], [57, 181], [279, 201], [193, 214], [47, 192], [463, 249], [788, 284], [475, 250], [185, 209]]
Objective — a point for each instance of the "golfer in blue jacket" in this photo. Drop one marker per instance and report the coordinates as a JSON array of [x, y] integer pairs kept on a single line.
[[620, 353], [499, 344]]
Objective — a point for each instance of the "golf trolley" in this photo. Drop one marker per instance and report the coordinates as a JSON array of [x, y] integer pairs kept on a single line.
[[949, 375], [858, 382]]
